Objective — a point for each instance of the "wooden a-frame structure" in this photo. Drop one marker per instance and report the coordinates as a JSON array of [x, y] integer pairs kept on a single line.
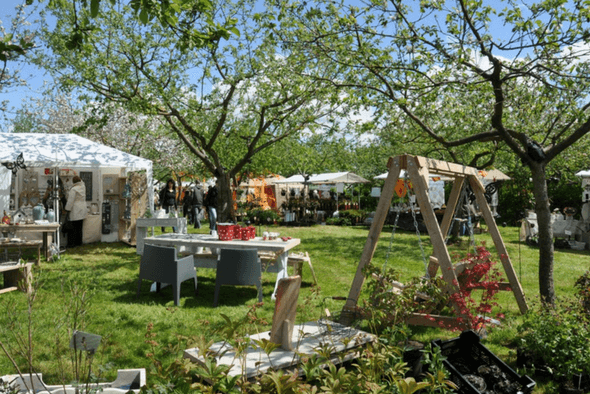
[[418, 169]]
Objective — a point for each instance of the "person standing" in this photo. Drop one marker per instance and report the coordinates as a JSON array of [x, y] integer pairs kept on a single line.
[[168, 199], [187, 203], [77, 211], [211, 204], [197, 204]]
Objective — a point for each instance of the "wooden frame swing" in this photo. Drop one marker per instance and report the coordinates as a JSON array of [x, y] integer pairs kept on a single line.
[[418, 170]]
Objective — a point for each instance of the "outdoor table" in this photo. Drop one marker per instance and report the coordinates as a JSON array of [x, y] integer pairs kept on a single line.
[[142, 225], [44, 228], [7, 244], [193, 241]]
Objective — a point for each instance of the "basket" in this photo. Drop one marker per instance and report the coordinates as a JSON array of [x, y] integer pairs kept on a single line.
[[475, 369], [225, 231]]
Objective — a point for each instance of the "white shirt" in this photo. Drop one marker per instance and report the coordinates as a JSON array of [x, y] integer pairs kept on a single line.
[[76, 204]]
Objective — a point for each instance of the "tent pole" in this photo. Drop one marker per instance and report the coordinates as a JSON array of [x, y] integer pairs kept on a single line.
[[56, 206]]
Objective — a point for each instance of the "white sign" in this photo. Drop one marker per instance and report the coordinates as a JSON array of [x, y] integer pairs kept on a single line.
[[376, 192], [340, 187]]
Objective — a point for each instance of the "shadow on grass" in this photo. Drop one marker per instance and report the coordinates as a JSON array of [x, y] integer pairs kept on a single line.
[[228, 295]]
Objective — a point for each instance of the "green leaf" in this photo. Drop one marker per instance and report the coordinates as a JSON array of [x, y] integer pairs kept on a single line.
[[144, 16], [94, 7]]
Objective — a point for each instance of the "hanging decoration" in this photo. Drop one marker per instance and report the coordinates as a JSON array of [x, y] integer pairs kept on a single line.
[[18, 164], [401, 188]]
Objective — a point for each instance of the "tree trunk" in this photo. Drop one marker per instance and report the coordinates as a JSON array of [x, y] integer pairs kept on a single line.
[[225, 208], [542, 209]]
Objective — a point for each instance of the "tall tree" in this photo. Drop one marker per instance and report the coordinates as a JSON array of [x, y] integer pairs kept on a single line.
[[514, 74], [110, 125], [227, 101]]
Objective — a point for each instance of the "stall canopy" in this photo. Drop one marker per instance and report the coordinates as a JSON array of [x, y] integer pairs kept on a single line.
[[327, 178], [66, 151]]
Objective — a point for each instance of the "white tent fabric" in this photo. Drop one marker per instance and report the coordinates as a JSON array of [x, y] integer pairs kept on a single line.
[[5, 180], [327, 178], [66, 151]]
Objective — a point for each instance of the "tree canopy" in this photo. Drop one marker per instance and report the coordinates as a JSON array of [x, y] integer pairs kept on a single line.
[[481, 75], [228, 101]]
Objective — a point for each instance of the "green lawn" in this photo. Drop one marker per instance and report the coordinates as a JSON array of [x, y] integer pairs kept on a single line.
[[104, 279]]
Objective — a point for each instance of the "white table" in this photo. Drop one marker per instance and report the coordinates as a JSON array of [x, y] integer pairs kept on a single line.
[[142, 225], [193, 241]]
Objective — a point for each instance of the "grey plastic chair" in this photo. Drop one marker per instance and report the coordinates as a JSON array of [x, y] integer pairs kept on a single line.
[[238, 268], [161, 265]]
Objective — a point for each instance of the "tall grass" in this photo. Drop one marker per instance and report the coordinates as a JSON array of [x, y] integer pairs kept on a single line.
[[109, 272]]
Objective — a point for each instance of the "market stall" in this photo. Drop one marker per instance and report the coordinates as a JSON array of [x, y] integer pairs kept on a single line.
[[116, 182], [324, 186]]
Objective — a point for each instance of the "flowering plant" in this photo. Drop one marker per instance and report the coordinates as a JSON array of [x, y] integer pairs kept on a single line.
[[477, 272]]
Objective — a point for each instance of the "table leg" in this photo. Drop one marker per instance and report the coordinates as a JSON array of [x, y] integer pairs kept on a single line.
[[141, 233], [45, 241], [282, 262]]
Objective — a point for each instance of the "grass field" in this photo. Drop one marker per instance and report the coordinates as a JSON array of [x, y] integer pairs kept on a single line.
[[100, 280]]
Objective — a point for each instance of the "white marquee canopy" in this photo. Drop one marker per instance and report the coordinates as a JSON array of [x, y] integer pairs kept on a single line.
[[64, 151]]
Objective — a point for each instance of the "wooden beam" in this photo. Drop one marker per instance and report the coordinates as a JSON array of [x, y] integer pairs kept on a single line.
[[447, 219], [421, 319], [436, 238], [503, 286], [394, 165], [452, 205], [478, 189], [440, 167]]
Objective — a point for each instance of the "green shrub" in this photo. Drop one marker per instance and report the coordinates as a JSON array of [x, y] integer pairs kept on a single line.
[[340, 221], [262, 216], [582, 286], [556, 339], [354, 215]]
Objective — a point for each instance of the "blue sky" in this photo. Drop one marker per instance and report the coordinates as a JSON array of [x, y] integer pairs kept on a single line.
[[34, 76]]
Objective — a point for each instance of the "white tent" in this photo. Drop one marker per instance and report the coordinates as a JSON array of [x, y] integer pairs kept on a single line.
[[66, 151], [327, 178]]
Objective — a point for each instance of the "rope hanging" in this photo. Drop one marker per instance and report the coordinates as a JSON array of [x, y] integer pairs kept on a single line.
[[426, 275], [464, 197], [391, 239], [413, 210], [470, 224]]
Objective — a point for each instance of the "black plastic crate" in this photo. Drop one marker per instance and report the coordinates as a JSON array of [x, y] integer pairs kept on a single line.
[[476, 370]]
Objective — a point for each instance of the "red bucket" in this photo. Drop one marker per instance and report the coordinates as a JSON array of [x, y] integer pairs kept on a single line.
[[225, 232]]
